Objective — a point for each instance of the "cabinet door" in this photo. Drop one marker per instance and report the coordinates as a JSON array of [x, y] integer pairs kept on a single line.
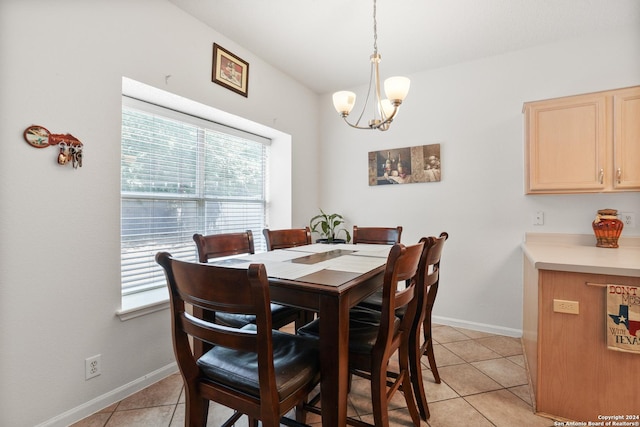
[[626, 139], [567, 145]]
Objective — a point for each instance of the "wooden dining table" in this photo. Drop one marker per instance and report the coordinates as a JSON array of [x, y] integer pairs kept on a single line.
[[329, 280]]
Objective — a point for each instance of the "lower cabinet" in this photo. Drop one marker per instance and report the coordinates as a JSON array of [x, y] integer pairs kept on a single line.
[[573, 373]]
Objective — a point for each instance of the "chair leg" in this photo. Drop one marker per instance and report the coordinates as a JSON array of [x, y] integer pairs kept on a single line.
[[429, 347], [196, 411], [379, 397], [411, 380], [410, 399], [300, 412], [415, 374], [432, 361]]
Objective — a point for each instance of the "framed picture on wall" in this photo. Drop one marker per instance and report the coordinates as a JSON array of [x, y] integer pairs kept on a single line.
[[230, 71], [405, 165]]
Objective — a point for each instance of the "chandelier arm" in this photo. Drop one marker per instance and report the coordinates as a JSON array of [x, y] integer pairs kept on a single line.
[[383, 117], [355, 126], [366, 101], [383, 125]]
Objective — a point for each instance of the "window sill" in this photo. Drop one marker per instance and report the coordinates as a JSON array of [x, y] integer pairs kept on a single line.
[[143, 303]]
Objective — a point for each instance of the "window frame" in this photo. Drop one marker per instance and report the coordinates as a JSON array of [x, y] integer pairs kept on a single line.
[[207, 146], [278, 175]]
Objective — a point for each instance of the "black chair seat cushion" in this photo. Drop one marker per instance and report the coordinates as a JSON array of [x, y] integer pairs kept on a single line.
[[374, 302], [295, 360], [363, 329], [279, 313]]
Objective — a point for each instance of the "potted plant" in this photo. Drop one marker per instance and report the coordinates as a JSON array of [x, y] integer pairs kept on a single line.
[[328, 226]]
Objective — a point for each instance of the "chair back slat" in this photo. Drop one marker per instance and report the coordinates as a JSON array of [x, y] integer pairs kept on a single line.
[[221, 245], [219, 289], [227, 289], [377, 235], [212, 333], [287, 238]]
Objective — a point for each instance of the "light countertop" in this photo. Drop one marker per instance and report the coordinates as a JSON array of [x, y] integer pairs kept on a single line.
[[578, 253]]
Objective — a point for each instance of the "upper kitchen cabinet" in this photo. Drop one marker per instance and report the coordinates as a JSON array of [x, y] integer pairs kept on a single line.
[[583, 144], [626, 139]]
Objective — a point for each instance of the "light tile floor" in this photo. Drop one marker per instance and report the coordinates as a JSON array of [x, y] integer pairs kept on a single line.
[[484, 383]]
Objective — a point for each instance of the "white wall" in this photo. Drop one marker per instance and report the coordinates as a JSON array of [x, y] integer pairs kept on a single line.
[[474, 110], [61, 67]]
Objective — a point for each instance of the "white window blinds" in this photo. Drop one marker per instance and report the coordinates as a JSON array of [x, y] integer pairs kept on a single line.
[[182, 175]]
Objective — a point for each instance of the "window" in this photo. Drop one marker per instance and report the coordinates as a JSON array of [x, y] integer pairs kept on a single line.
[[182, 175]]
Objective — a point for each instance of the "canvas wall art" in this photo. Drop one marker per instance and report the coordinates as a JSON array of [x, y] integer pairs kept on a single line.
[[405, 165]]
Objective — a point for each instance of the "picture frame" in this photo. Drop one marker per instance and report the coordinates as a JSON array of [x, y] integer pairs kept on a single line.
[[230, 71]]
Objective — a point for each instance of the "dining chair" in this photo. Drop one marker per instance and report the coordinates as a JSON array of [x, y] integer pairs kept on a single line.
[[255, 370], [420, 338], [287, 238], [226, 244], [429, 278], [376, 336], [377, 235], [290, 238]]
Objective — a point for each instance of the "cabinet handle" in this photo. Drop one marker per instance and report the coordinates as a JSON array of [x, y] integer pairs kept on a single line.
[[601, 175], [619, 175]]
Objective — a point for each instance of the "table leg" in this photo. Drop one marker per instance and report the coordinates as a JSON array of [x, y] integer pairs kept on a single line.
[[334, 359]]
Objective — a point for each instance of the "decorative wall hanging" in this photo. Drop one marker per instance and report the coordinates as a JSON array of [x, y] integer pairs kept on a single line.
[[70, 147], [230, 71], [623, 318], [405, 165]]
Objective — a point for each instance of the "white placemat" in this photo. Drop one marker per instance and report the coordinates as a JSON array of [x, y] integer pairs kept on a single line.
[[353, 263], [315, 248], [365, 249], [278, 269]]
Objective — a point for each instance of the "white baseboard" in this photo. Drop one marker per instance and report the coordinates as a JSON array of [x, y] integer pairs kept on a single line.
[[91, 407], [474, 326]]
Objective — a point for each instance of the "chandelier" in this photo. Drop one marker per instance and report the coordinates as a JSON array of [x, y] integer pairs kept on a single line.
[[384, 110]]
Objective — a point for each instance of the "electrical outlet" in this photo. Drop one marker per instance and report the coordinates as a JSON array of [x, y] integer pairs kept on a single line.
[[92, 367], [563, 306], [629, 219], [538, 218]]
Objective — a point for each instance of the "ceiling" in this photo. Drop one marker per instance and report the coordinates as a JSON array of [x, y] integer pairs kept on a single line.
[[326, 44]]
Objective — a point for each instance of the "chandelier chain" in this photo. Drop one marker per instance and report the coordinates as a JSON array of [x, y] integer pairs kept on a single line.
[[375, 29]]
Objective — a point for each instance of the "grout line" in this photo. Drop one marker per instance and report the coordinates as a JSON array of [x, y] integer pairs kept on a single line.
[[427, 371]]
